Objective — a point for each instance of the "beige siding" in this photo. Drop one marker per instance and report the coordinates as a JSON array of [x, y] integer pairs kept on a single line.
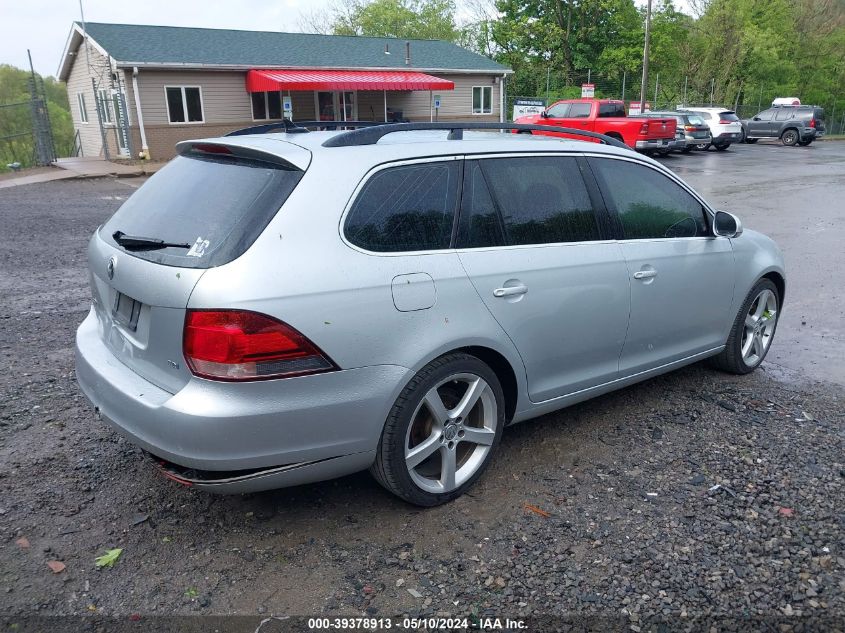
[[455, 104], [224, 96], [87, 65]]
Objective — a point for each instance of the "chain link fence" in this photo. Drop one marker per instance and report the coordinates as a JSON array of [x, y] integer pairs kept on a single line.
[[664, 93]]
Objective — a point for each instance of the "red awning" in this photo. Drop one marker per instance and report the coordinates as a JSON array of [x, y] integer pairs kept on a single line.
[[269, 80]]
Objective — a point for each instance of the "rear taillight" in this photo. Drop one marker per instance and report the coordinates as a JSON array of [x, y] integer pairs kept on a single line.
[[812, 123], [725, 122], [241, 345], [644, 128], [690, 128]]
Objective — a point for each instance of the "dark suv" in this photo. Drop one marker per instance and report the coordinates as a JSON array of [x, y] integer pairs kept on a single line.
[[793, 125]]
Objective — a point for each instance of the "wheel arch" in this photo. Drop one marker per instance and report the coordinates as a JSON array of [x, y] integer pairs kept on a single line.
[[501, 366], [779, 281]]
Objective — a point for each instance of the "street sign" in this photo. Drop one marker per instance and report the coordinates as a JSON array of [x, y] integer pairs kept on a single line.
[[588, 91], [436, 102], [287, 108], [527, 107]]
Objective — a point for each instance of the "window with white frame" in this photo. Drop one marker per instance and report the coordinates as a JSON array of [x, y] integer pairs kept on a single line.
[[266, 106], [482, 99], [83, 111], [106, 105], [184, 104]]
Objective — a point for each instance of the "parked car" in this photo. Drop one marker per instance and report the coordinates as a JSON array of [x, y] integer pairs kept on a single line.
[[691, 131], [724, 125], [607, 116], [793, 125], [253, 328]]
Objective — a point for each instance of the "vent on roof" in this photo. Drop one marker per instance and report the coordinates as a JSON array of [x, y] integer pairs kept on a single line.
[[387, 49], [407, 53]]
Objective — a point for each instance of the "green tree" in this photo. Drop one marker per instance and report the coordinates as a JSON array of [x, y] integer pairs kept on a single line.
[[412, 19], [16, 142]]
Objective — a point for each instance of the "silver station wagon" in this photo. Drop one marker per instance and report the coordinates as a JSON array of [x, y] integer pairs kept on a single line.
[[275, 309]]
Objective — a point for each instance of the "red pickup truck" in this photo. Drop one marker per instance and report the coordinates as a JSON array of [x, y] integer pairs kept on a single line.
[[606, 116]]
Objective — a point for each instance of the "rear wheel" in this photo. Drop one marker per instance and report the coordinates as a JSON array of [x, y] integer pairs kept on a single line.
[[723, 147], [704, 148], [442, 431], [751, 140], [790, 137], [752, 331]]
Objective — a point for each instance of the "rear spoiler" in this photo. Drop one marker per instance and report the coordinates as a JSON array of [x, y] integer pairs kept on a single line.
[[294, 158]]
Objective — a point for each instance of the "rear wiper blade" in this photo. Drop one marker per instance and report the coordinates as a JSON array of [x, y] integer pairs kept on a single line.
[[138, 243]]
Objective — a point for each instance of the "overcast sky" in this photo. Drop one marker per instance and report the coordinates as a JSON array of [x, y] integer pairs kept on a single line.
[[43, 25]]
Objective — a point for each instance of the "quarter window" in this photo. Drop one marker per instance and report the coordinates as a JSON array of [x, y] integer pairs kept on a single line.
[[83, 111], [407, 208], [482, 100], [184, 104], [530, 200], [266, 106], [649, 204]]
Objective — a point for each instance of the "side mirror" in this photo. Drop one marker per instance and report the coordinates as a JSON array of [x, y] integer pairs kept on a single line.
[[726, 225], [544, 114], [756, 118]]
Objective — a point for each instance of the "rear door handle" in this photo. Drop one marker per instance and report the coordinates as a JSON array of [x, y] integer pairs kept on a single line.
[[645, 274], [510, 291]]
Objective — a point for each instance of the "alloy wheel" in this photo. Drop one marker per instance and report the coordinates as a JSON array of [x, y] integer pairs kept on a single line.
[[759, 327], [451, 432]]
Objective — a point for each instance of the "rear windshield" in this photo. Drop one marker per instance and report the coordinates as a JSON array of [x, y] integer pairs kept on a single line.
[[695, 120], [212, 207], [728, 116]]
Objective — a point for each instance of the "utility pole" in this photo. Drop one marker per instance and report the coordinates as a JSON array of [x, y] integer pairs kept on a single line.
[[644, 85]]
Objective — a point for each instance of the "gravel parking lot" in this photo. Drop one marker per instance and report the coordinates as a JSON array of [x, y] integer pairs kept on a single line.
[[693, 495]]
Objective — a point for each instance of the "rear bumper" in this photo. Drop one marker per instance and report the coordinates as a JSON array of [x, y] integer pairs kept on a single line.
[[691, 140], [659, 143], [726, 138], [321, 426]]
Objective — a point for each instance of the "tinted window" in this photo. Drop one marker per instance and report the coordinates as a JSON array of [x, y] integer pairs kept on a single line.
[[408, 208], [611, 109], [649, 204], [766, 115], [783, 114], [558, 111], [579, 110], [218, 204], [728, 116], [531, 200], [175, 107]]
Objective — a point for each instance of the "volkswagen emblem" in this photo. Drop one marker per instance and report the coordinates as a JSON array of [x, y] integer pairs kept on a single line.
[[110, 267]]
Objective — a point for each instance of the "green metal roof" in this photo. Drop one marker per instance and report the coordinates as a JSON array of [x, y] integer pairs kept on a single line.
[[145, 44]]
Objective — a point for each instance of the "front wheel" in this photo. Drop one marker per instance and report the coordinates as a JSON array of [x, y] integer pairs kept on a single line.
[[790, 137], [442, 431], [753, 330]]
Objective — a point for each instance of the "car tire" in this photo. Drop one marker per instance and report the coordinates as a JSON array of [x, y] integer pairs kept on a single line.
[[805, 143], [742, 135], [722, 147], [751, 141], [704, 148], [686, 150], [750, 338], [435, 444], [790, 137]]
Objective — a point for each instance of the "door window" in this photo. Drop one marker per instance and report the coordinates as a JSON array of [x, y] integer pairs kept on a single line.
[[649, 204], [407, 208], [526, 200], [784, 114], [558, 111], [580, 110], [766, 115]]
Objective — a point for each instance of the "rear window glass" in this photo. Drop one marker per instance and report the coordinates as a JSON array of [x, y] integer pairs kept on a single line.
[[214, 206], [407, 208], [728, 116], [612, 109], [695, 120]]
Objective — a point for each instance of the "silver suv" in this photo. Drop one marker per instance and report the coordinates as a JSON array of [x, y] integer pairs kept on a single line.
[[276, 309]]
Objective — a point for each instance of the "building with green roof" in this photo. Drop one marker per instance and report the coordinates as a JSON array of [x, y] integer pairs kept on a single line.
[[140, 89]]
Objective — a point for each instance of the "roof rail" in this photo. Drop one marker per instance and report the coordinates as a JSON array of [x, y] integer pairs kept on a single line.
[[371, 135], [297, 127]]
